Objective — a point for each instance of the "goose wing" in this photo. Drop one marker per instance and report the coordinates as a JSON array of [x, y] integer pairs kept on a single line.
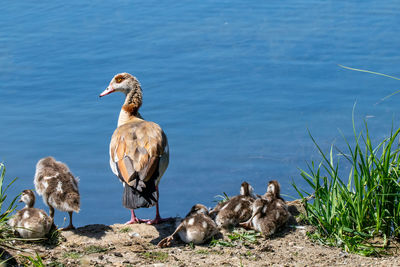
[[137, 151]]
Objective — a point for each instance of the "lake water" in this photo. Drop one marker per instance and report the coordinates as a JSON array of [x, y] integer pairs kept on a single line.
[[235, 85]]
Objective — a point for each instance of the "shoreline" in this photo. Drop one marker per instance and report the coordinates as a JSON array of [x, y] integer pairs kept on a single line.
[[136, 245]]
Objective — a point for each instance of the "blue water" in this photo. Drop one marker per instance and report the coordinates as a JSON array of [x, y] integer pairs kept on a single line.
[[235, 85]]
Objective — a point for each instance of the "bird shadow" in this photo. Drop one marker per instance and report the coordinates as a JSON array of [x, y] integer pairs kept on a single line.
[[96, 231]]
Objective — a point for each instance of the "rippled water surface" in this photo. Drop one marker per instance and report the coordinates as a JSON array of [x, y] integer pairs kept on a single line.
[[234, 85]]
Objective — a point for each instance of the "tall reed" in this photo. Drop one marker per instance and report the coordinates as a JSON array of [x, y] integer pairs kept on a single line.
[[350, 212], [5, 213]]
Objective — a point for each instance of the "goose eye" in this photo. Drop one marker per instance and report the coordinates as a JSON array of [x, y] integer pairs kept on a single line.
[[118, 79]]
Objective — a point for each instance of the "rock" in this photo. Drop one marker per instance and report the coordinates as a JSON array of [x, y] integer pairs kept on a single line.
[[134, 234]]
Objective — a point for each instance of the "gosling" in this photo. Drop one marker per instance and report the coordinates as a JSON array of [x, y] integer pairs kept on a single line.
[[270, 212], [58, 187], [196, 228], [30, 222], [236, 210]]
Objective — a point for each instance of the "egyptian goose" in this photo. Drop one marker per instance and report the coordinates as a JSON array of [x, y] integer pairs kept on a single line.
[[269, 212], [139, 153], [236, 210], [30, 222], [196, 228], [58, 187]]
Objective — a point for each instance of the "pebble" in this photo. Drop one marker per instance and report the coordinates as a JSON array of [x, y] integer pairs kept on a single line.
[[134, 234], [117, 254]]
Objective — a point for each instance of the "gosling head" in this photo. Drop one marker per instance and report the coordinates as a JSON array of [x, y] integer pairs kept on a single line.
[[198, 209], [247, 190], [28, 197], [123, 82], [273, 191]]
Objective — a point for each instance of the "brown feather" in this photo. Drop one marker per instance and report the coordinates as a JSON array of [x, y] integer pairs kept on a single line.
[[143, 143]]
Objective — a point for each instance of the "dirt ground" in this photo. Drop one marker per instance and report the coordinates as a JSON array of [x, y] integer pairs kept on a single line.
[[136, 245]]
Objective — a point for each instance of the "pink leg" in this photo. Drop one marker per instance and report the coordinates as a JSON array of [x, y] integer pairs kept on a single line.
[[133, 219], [158, 218]]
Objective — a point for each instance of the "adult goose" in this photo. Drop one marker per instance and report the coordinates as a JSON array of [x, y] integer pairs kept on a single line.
[[139, 152]]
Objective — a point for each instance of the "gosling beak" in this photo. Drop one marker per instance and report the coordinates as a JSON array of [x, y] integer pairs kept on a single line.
[[108, 90]]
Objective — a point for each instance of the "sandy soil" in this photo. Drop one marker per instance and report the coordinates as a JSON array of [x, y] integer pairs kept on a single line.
[[135, 245]]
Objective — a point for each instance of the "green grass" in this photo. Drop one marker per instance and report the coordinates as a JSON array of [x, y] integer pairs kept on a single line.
[[94, 249], [350, 211], [237, 237], [6, 233], [202, 251], [125, 230], [72, 255], [156, 255], [36, 261], [222, 198]]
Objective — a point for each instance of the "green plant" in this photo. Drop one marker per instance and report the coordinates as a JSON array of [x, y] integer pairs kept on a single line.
[[222, 198], [243, 236], [202, 251], [376, 73], [367, 205], [125, 230], [94, 249], [222, 243], [36, 261], [6, 232], [156, 255], [72, 255], [238, 236]]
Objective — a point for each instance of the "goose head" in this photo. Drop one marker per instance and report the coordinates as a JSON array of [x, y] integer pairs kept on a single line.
[[247, 190], [274, 189], [123, 82], [28, 197], [198, 209]]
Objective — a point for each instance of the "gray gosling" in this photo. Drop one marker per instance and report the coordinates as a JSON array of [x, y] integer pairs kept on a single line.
[[196, 228], [58, 187], [236, 210], [30, 222], [269, 212]]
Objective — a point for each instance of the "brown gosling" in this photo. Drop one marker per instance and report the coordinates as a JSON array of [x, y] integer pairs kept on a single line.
[[58, 187], [30, 222], [196, 228], [236, 210], [269, 212]]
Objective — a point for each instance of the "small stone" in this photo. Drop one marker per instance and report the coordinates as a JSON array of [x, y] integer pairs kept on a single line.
[[134, 234], [117, 254], [128, 243], [101, 257]]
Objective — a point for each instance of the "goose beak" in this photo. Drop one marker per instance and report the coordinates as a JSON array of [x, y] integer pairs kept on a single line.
[[108, 90]]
